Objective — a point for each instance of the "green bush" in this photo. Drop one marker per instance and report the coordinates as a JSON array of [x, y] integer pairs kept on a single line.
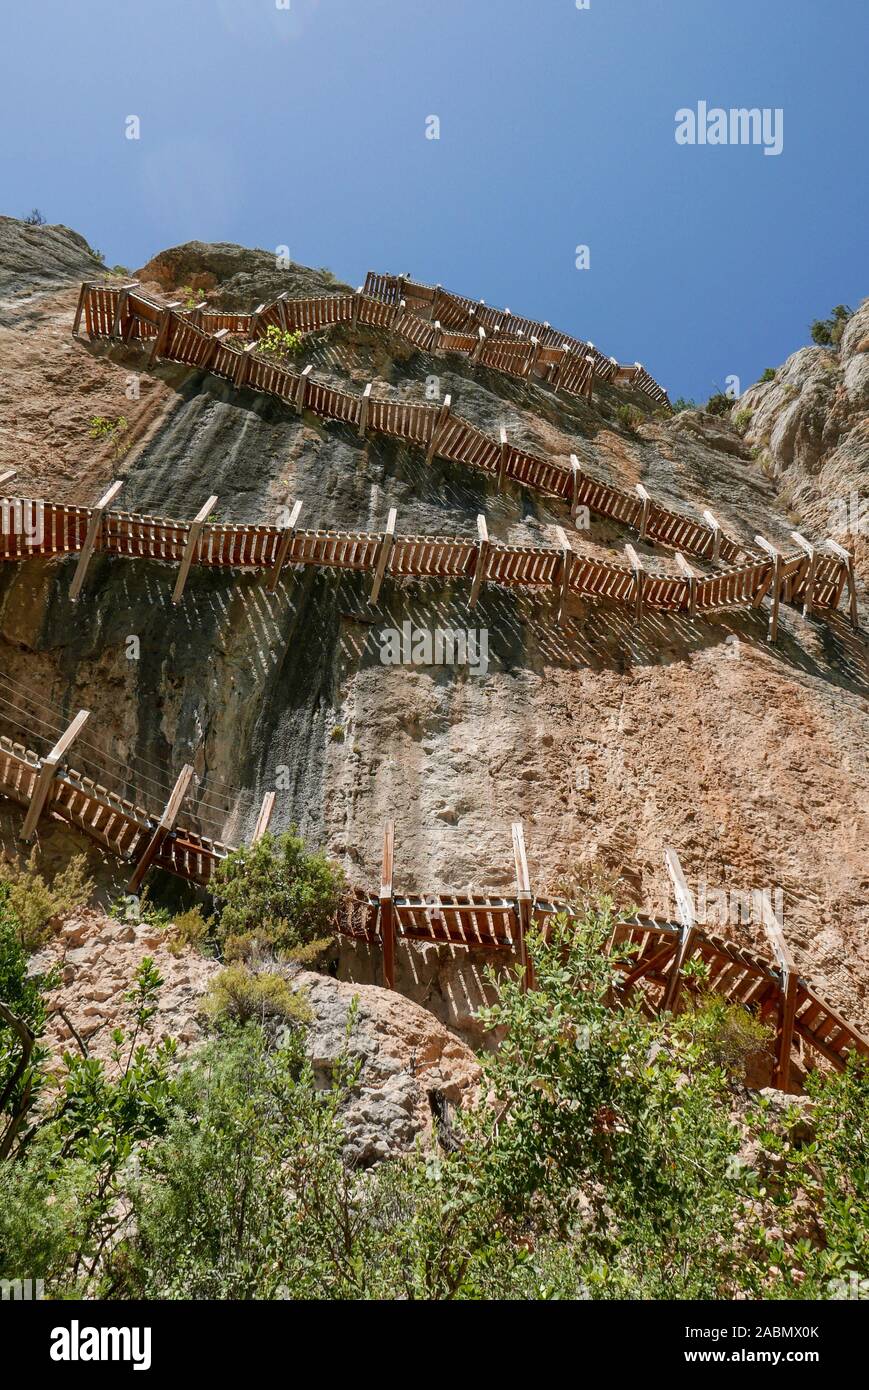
[[719, 404], [36, 905], [828, 332], [279, 343], [277, 894], [742, 419], [628, 416], [768, 374], [239, 995]]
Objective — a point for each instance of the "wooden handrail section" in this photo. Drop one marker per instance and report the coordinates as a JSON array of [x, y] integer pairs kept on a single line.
[[477, 922], [438, 430]]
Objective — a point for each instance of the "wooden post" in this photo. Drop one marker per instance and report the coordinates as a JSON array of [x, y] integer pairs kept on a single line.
[[809, 590], [639, 580], [716, 533], [437, 336], [281, 302], [777, 559], [79, 308], [123, 296], [644, 515], [265, 815], [386, 912], [502, 465], [397, 314], [284, 546], [563, 572], [848, 558], [254, 321], [575, 479], [692, 583], [211, 349], [190, 548], [524, 902], [440, 422], [386, 543], [162, 331], [535, 353], [480, 562], [363, 409], [242, 370], [48, 772], [357, 295], [165, 824], [302, 388], [94, 527], [787, 997], [589, 382], [481, 342], [687, 930]]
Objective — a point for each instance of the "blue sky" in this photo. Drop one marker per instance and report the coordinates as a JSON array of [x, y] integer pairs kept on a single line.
[[306, 127]]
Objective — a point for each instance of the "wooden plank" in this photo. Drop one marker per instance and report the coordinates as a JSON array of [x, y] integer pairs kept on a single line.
[[165, 824], [48, 772], [848, 559], [575, 481], [93, 531], [162, 331], [123, 296], [778, 560], [6, 475], [787, 993], [283, 546], [715, 527], [687, 931], [639, 580], [190, 548], [691, 576], [524, 902], [386, 543], [644, 515], [363, 409], [564, 571], [386, 902], [480, 562], [502, 464], [302, 388], [441, 420], [809, 591], [79, 308], [481, 342], [264, 817]]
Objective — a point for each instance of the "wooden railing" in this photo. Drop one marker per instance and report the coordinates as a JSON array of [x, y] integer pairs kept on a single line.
[[34, 527], [809, 576], [652, 951]]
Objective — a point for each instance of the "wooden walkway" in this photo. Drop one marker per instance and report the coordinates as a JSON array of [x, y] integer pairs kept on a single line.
[[31, 527], [808, 576], [158, 838]]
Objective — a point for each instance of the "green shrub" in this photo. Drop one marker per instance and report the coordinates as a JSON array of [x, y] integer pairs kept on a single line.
[[683, 403], [628, 416], [279, 343], [768, 374], [742, 419], [36, 905], [719, 404], [828, 332], [278, 893], [190, 929], [101, 427], [240, 995]]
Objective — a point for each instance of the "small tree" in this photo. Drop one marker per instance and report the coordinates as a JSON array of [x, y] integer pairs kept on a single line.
[[34, 218], [277, 893]]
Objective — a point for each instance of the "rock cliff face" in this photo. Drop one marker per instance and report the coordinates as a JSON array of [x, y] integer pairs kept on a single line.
[[609, 740], [811, 424], [411, 1067]]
